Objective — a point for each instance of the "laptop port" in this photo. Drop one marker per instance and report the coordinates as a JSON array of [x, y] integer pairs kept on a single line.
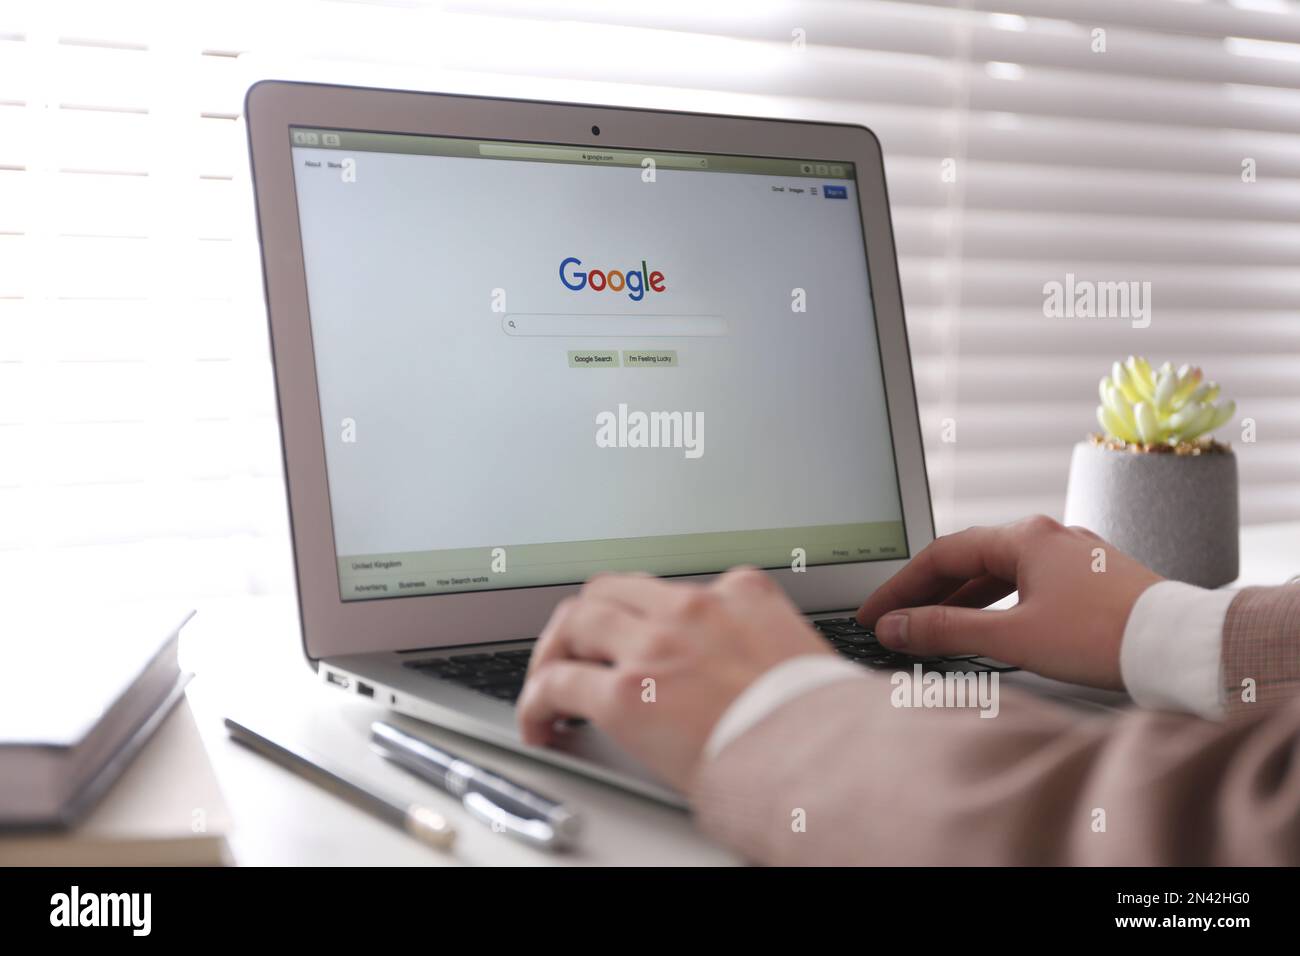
[[365, 690], [338, 680]]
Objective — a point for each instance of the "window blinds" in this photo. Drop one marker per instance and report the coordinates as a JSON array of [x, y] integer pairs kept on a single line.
[[1025, 140]]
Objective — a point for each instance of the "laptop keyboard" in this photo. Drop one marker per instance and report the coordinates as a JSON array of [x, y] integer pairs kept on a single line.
[[501, 674], [850, 639]]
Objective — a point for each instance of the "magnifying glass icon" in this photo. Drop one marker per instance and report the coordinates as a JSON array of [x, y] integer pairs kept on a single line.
[[511, 323]]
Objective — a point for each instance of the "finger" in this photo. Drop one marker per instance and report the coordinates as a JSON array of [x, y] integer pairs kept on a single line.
[[980, 592], [943, 629], [639, 593], [563, 689], [746, 585], [943, 567], [587, 628]]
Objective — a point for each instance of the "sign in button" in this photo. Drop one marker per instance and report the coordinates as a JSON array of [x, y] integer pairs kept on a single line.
[[835, 192]]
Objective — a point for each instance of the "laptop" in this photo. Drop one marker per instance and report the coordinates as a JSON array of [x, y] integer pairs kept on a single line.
[[519, 343]]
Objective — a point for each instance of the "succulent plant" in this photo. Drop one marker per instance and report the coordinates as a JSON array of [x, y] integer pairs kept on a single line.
[[1140, 406]]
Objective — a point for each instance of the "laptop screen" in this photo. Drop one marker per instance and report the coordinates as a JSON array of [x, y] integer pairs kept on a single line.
[[540, 361]]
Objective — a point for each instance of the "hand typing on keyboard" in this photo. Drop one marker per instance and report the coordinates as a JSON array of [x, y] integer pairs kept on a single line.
[[1070, 618], [701, 646]]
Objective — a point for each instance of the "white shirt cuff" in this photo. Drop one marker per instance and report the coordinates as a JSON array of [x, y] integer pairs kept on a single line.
[[784, 682], [1171, 655]]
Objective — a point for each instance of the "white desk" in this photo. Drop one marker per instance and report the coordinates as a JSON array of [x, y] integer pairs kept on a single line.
[[247, 661]]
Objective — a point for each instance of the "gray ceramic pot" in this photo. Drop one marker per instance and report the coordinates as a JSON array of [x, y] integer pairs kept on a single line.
[[1177, 514]]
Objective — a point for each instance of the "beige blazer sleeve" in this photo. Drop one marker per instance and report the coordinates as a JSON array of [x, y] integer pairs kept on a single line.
[[1261, 650], [841, 776]]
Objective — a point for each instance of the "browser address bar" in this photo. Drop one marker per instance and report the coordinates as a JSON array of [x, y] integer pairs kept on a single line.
[[606, 157], [599, 326]]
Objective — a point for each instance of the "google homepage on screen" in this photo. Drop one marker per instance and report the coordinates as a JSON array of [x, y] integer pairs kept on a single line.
[[536, 362]]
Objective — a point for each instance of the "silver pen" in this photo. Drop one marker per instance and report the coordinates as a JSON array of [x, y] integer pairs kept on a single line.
[[502, 804]]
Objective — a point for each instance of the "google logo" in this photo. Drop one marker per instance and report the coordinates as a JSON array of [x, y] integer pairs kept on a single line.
[[635, 283]]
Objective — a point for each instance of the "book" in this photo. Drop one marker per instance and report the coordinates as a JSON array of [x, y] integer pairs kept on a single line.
[[165, 810], [85, 692]]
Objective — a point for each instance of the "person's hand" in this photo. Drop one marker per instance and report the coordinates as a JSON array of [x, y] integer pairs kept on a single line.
[[1076, 592], [700, 646]]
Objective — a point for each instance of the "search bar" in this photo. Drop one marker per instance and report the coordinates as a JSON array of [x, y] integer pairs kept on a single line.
[[600, 326], [595, 326]]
